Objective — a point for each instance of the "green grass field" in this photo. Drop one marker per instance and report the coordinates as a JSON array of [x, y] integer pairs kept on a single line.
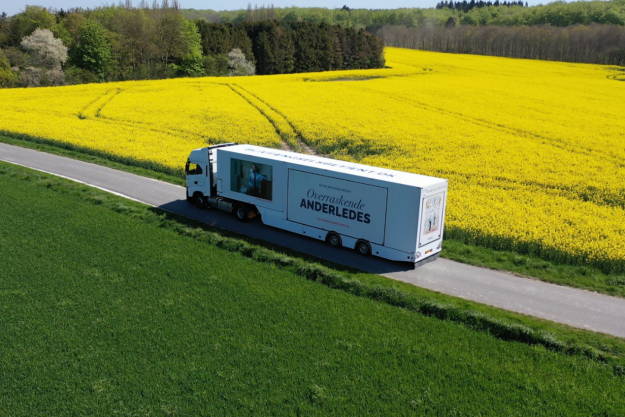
[[104, 313]]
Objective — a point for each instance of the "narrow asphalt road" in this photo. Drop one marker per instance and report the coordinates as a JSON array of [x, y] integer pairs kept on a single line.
[[574, 307]]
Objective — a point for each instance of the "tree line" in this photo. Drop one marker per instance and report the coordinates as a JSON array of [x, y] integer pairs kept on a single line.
[[112, 43], [492, 12], [116, 43], [292, 47], [598, 44], [581, 31], [465, 6]]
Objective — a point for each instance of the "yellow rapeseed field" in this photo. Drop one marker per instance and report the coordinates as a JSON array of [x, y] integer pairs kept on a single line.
[[534, 151]]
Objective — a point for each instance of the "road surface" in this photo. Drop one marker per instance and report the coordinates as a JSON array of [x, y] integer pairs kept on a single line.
[[578, 308]]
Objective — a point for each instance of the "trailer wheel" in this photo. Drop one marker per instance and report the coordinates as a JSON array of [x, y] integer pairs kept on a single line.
[[363, 248], [334, 240], [199, 201], [241, 212]]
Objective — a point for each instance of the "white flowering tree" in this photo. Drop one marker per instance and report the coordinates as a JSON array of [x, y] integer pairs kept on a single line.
[[47, 54], [238, 65]]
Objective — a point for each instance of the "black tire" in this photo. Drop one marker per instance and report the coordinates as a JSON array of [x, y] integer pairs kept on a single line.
[[363, 248], [334, 240], [199, 201], [241, 212]]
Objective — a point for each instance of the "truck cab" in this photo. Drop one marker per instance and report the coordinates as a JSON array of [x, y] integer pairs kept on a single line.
[[200, 170], [197, 171]]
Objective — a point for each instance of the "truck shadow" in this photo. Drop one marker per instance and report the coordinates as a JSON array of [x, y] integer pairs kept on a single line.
[[295, 245]]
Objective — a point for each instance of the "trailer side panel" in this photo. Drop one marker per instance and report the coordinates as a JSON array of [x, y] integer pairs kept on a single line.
[[349, 208]]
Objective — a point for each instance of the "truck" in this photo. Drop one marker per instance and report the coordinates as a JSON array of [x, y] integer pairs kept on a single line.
[[395, 215]]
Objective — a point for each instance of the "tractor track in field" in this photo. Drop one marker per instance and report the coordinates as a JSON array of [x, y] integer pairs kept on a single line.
[[291, 137], [285, 136], [93, 111]]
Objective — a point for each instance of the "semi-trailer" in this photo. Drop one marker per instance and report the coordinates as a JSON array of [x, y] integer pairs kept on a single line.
[[395, 215]]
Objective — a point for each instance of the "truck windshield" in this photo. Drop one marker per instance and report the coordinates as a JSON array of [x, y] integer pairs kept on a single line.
[[193, 169]]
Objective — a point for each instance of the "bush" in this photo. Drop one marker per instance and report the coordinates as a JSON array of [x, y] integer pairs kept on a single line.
[[75, 75], [40, 77], [216, 65], [8, 76], [238, 65], [45, 50]]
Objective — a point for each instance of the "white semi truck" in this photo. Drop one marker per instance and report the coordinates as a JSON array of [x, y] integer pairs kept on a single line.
[[391, 214]]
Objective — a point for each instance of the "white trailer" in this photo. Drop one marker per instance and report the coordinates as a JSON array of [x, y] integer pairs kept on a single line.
[[391, 214]]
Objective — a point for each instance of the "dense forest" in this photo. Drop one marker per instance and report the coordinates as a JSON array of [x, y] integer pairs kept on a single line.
[[466, 6], [40, 47], [558, 13], [287, 47], [599, 44], [583, 31]]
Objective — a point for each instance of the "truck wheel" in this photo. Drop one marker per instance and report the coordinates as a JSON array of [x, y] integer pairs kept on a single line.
[[363, 248], [199, 201], [334, 240], [241, 212]]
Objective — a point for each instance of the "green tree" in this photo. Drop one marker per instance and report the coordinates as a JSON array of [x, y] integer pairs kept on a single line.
[[5, 29], [216, 65], [93, 50], [69, 28], [170, 36], [133, 45], [25, 23], [192, 64], [451, 22], [17, 57], [4, 62], [8, 77], [290, 16]]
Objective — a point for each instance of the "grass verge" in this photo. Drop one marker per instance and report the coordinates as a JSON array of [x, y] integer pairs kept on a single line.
[[586, 277], [93, 157]]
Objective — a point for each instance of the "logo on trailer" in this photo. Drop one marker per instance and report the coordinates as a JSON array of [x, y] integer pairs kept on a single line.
[[351, 208], [336, 206]]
